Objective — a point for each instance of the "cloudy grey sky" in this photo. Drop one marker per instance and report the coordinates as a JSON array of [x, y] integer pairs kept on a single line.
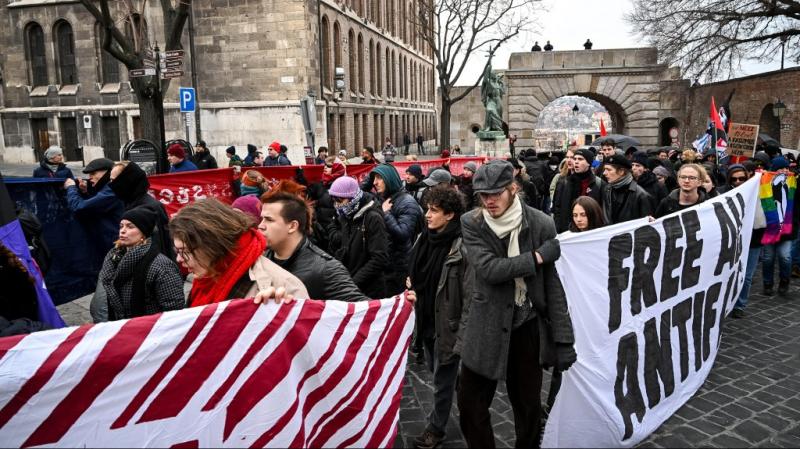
[[568, 23]]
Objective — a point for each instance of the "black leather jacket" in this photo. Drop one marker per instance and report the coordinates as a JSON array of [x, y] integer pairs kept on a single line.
[[323, 276]]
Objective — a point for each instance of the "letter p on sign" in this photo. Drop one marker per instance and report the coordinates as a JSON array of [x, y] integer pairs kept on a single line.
[[187, 99]]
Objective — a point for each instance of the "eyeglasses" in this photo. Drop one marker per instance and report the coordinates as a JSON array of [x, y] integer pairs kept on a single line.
[[183, 253], [688, 178], [738, 178], [328, 166]]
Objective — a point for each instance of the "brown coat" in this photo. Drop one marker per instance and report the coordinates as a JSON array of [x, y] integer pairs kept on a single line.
[[266, 273]]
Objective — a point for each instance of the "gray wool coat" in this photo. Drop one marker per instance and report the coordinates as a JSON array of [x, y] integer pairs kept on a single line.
[[489, 320]]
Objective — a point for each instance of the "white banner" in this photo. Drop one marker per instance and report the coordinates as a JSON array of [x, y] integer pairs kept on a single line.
[[647, 302]]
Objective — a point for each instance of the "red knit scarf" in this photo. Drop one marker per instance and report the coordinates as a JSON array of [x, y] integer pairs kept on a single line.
[[208, 290]]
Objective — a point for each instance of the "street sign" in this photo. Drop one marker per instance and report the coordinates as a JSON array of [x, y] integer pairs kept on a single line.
[[170, 64], [187, 99], [141, 72], [169, 74], [149, 63], [173, 54], [149, 54]]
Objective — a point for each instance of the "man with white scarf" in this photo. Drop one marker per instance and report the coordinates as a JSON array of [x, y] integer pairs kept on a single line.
[[517, 322]]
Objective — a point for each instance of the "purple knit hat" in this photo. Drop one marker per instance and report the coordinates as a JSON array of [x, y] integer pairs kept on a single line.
[[344, 187], [250, 205]]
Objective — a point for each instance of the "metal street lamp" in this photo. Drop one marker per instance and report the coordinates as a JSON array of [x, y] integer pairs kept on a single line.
[[575, 111]]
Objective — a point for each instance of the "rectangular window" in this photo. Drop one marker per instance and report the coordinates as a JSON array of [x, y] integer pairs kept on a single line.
[[69, 138], [111, 143]]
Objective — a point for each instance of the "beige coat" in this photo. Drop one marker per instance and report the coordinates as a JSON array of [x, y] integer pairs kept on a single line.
[[266, 273]]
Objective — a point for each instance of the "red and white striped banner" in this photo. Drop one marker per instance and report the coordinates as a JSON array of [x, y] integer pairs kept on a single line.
[[233, 374]]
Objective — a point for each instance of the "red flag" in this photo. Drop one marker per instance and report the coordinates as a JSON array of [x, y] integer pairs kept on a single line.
[[603, 131], [715, 116]]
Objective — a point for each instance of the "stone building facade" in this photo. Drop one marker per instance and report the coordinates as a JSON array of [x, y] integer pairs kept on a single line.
[[646, 99], [255, 60]]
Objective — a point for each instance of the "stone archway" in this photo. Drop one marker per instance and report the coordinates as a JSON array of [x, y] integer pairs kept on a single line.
[[664, 139], [769, 124], [627, 82]]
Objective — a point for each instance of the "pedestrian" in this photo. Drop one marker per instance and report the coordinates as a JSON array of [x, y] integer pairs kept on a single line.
[[666, 178], [464, 182], [518, 320], [403, 219], [101, 211], [224, 253], [607, 149], [388, 152], [420, 144], [368, 156], [53, 165], [457, 150], [586, 215], [441, 277], [259, 159], [362, 244], [406, 142], [737, 175], [276, 157], [249, 160], [582, 182], [253, 183], [414, 183], [324, 215], [782, 226], [623, 199], [138, 280], [286, 223], [250, 205], [528, 190], [202, 157], [641, 165], [536, 46], [688, 194], [233, 159], [176, 156], [333, 170], [564, 170], [754, 251], [322, 154], [342, 157], [548, 46], [129, 183]]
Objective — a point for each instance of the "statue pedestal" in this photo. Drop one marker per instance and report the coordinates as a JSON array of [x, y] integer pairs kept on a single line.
[[492, 144]]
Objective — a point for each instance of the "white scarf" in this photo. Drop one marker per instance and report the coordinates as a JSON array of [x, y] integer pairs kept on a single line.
[[510, 223]]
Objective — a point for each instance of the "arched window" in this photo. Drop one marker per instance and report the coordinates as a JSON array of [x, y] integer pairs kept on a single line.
[[404, 21], [353, 75], [34, 53], [372, 76], [361, 63], [65, 53], [107, 65], [327, 72], [337, 45], [394, 74], [388, 73], [378, 70]]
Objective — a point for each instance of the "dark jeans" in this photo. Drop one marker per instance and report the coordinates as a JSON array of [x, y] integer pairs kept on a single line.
[[524, 385], [444, 385]]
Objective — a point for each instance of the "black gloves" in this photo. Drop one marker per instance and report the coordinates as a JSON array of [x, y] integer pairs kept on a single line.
[[565, 356]]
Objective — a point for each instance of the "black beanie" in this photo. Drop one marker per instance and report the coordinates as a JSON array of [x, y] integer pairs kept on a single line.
[[586, 154], [640, 157], [231, 150], [143, 217]]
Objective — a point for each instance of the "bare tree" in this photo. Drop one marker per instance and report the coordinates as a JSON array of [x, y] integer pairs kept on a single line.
[[710, 38], [125, 37], [460, 31]]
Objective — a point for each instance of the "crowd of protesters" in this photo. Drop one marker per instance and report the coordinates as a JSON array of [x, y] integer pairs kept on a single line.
[[474, 252]]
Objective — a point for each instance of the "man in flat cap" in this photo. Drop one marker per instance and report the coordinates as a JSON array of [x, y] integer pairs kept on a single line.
[[517, 322], [100, 212], [623, 199]]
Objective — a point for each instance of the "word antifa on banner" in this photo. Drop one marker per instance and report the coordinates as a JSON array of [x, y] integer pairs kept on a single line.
[[647, 251]]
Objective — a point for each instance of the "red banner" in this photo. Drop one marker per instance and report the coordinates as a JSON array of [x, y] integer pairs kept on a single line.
[[176, 190]]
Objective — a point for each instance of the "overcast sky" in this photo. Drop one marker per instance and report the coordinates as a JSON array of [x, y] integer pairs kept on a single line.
[[568, 23]]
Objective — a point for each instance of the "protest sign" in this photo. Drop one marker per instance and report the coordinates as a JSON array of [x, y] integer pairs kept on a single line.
[[232, 374], [742, 140], [647, 302]]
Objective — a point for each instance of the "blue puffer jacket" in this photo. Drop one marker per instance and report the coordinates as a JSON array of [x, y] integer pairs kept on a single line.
[[43, 171], [402, 223], [100, 213], [184, 165]]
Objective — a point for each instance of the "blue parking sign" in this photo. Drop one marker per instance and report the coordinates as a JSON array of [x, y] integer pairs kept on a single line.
[[187, 99]]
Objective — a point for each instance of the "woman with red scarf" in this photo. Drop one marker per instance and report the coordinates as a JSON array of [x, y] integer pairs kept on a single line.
[[225, 253]]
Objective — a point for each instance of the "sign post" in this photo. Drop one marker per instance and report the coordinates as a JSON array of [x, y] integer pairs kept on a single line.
[[188, 100]]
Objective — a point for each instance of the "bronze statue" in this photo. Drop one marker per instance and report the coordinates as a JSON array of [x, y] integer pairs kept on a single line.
[[492, 91]]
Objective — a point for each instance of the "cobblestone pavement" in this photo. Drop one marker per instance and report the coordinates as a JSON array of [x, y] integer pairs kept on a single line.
[[751, 397]]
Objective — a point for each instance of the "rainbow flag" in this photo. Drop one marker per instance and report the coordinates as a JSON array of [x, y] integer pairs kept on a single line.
[[775, 228]]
